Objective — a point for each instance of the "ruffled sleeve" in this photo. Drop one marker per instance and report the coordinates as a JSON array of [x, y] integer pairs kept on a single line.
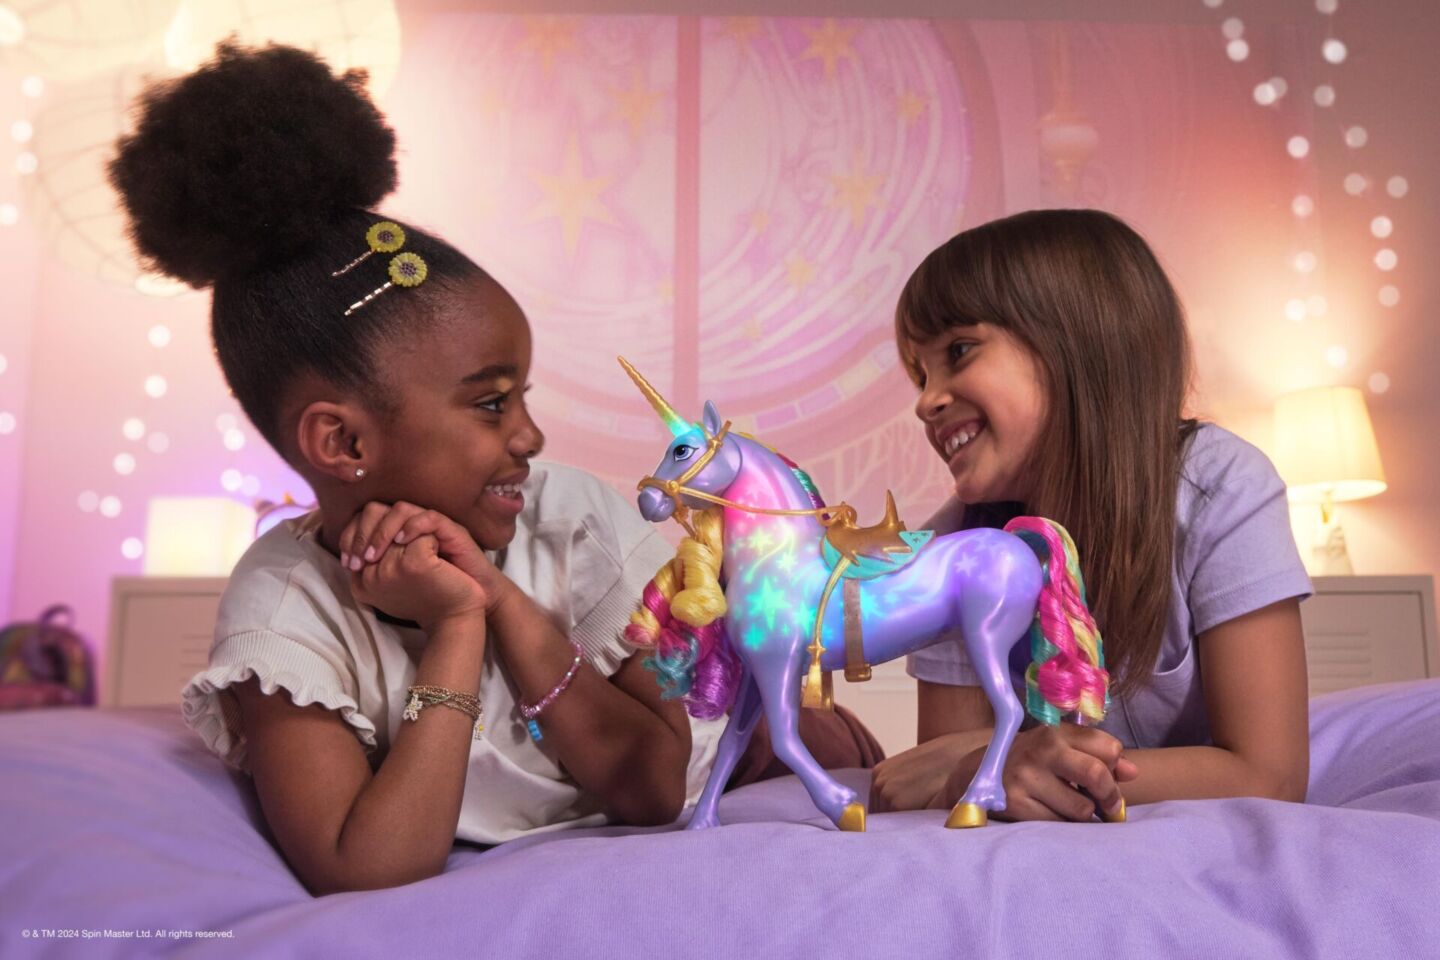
[[283, 666]]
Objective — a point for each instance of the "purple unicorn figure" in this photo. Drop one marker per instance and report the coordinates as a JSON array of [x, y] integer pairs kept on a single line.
[[771, 586]]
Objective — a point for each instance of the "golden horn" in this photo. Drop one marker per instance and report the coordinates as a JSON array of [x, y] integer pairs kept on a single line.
[[673, 420]]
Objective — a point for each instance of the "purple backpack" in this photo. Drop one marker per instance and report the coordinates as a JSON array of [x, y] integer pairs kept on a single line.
[[45, 664]]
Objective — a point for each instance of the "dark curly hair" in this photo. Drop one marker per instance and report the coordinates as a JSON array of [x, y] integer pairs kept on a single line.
[[255, 175]]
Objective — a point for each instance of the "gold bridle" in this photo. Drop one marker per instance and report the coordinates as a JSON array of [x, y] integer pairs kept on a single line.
[[674, 489]]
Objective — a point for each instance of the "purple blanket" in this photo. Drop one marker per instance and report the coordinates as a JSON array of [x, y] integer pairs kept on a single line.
[[114, 825]]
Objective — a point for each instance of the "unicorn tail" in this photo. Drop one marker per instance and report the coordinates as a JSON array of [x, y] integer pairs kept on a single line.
[[1067, 662]]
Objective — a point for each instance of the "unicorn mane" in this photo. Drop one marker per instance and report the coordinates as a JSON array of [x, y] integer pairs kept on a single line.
[[681, 616]]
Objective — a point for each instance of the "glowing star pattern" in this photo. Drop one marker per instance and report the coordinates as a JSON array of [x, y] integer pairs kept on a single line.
[[572, 198], [829, 44], [548, 37]]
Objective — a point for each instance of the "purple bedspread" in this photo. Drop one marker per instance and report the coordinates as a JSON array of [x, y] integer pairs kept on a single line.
[[118, 821]]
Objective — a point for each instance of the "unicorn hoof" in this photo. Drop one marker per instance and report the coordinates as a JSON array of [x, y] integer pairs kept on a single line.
[[853, 819], [1118, 816], [966, 815]]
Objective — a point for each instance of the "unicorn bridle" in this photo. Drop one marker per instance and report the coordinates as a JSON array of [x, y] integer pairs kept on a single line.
[[818, 689]]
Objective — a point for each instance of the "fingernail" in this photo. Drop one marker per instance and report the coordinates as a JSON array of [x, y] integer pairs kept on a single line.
[[400, 537], [369, 553], [344, 559], [355, 564]]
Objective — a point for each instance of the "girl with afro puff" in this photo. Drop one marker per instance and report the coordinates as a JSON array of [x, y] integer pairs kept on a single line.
[[436, 651]]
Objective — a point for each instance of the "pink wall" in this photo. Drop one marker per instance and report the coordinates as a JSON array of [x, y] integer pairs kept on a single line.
[[742, 219]]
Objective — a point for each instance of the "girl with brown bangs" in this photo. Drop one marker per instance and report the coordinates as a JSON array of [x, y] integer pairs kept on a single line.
[[1052, 360]]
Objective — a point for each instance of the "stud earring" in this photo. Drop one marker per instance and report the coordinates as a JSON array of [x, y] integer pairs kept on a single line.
[[359, 473]]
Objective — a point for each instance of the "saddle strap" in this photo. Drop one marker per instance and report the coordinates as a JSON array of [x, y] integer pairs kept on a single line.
[[856, 669]]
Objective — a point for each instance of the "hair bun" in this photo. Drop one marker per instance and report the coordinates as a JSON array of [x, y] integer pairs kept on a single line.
[[248, 159]]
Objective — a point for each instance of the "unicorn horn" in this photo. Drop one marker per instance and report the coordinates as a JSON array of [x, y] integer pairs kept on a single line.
[[673, 420]]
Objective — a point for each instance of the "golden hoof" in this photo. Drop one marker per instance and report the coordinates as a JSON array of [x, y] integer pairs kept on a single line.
[[853, 819], [966, 815], [1118, 816]]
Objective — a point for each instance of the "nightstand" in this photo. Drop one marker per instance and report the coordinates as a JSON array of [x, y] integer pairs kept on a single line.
[[1361, 630], [160, 634]]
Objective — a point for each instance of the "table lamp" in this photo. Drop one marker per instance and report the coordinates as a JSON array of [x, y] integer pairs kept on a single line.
[[196, 536], [1325, 450]]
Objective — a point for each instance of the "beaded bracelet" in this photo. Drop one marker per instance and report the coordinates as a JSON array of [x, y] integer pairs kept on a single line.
[[533, 711], [423, 696]]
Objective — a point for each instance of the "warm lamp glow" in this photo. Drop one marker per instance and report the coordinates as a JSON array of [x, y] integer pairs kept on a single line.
[[196, 536], [1325, 446]]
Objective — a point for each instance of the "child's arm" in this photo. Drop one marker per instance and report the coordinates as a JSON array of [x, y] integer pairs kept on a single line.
[[340, 826], [1252, 671], [616, 737]]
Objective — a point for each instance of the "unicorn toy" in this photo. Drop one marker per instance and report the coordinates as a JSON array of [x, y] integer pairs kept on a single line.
[[771, 585]]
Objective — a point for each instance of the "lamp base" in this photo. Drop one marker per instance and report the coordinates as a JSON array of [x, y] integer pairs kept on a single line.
[[1329, 557]]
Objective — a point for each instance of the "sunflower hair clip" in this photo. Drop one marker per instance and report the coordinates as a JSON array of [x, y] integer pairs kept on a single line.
[[406, 270], [383, 237]]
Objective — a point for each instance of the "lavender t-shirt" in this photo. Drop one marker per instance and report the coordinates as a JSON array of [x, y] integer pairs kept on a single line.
[[1234, 553]]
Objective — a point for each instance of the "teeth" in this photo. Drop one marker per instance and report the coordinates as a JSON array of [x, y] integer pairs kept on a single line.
[[511, 490], [959, 440]]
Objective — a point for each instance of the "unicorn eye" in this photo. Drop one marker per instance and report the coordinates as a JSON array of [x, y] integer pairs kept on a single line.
[[682, 452]]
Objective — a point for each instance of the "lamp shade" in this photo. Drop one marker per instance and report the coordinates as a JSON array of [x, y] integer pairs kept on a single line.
[[196, 536], [1325, 446]]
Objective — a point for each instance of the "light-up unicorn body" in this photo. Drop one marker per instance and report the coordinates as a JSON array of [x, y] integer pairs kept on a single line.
[[805, 592]]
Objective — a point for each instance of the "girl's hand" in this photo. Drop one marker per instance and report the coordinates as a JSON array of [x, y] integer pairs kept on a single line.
[[378, 527], [413, 582], [913, 779], [1047, 770]]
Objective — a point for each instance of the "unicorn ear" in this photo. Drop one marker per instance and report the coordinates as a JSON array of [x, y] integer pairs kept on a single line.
[[712, 419]]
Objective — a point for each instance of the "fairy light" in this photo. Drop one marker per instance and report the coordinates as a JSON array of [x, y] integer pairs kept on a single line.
[[1333, 51], [1302, 206], [234, 440], [133, 429], [110, 507], [132, 548], [1378, 383], [1324, 95], [124, 464], [155, 386], [1356, 137], [1381, 227], [1337, 357], [1356, 184], [1385, 259], [159, 336], [9, 214], [1298, 147], [32, 87], [1397, 187], [7, 423], [231, 480], [1295, 309], [1389, 295], [1305, 262]]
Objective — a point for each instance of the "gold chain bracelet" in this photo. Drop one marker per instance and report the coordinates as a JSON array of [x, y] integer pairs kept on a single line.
[[423, 696]]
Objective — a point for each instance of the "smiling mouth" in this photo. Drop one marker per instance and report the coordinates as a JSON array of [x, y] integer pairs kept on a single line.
[[508, 491], [961, 439]]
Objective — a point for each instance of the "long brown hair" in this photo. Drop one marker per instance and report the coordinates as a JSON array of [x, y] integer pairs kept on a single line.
[[1086, 295]]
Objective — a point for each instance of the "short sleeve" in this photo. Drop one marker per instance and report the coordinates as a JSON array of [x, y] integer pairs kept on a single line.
[[1239, 552], [625, 551], [279, 663], [276, 625]]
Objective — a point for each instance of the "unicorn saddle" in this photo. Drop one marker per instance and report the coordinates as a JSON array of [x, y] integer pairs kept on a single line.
[[872, 551]]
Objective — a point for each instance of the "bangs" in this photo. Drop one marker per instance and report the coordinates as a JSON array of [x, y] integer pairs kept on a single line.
[[935, 299]]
